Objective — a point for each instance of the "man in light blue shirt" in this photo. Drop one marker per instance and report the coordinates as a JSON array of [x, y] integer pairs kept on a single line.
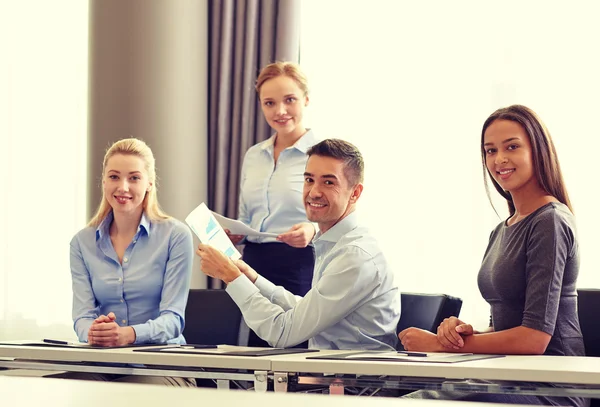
[[354, 302]]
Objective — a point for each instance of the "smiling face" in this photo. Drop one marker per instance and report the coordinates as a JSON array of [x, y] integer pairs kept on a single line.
[[328, 197], [125, 184], [508, 155], [282, 102]]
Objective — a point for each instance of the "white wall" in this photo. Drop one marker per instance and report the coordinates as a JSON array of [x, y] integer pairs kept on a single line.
[[411, 83], [158, 93]]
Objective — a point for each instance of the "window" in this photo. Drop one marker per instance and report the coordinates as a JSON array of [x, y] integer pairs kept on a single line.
[[43, 128], [411, 83]]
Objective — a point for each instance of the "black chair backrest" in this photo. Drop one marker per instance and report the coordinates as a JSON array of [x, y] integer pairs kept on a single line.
[[212, 318], [588, 303], [426, 311]]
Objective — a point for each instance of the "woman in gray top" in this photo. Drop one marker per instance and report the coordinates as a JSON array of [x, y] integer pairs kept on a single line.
[[529, 270]]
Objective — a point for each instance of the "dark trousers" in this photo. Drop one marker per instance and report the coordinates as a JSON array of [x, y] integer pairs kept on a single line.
[[284, 265]]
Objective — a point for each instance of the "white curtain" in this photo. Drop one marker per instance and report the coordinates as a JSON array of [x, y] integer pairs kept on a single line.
[[411, 83], [43, 127]]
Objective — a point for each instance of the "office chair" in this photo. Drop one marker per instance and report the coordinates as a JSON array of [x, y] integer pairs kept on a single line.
[[588, 304], [212, 318], [426, 311]]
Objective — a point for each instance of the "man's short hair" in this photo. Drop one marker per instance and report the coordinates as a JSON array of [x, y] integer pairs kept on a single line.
[[354, 166]]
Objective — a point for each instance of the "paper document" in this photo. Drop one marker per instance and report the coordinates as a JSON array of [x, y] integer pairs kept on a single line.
[[203, 223], [190, 349], [54, 343], [228, 352], [403, 355], [237, 227]]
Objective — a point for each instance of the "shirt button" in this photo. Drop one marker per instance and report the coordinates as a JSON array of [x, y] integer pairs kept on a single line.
[[125, 259], [120, 279], [135, 241], [124, 321], [122, 300]]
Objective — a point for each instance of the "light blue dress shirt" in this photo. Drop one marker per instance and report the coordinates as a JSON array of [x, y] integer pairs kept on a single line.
[[354, 302], [147, 292], [271, 194]]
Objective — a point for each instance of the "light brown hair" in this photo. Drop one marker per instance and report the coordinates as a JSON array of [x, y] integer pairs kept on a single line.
[[277, 69]]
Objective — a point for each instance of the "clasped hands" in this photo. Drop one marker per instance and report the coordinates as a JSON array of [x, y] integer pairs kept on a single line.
[[105, 332], [449, 338]]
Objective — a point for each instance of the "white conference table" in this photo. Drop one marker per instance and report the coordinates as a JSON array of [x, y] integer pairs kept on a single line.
[[576, 376], [28, 391], [128, 362]]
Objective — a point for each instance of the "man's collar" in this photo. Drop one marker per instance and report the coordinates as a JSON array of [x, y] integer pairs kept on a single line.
[[347, 224]]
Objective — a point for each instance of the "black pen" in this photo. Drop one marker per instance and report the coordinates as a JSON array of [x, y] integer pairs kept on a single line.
[[55, 342], [419, 354]]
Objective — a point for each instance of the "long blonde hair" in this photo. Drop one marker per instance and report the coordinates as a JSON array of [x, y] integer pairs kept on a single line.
[[135, 147]]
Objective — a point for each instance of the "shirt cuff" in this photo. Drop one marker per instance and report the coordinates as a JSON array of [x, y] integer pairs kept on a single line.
[[142, 333], [539, 325], [241, 289], [83, 328]]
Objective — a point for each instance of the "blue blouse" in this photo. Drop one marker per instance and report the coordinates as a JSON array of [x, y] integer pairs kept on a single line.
[[271, 194], [147, 292]]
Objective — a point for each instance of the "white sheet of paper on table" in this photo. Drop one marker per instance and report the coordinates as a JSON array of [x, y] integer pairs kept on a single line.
[[403, 355], [203, 223], [237, 227]]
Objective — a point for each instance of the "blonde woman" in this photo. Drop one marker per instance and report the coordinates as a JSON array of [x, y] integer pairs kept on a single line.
[[131, 266]]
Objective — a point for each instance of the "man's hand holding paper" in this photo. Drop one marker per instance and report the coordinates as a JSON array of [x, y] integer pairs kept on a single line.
[[215, 264]]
